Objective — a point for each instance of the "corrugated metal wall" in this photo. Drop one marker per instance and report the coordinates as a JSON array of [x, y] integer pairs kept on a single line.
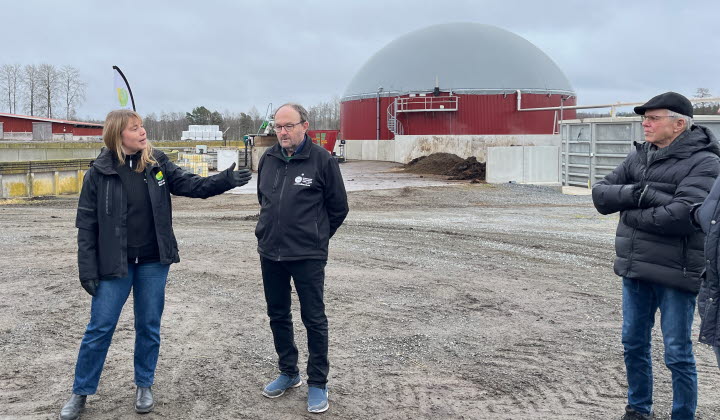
[[476, 114], [358, 119], [22, 125], [14, 125]]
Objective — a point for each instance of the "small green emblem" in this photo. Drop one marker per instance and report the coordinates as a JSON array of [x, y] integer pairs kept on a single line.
[[122, 96]]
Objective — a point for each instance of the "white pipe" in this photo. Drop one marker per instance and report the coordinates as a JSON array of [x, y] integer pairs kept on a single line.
[[612, 106]]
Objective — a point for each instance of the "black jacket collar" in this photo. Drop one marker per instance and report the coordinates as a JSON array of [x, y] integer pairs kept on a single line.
[[303, 154], [106, 161], [697, 139]]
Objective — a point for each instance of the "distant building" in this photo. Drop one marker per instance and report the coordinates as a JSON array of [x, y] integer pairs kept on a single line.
[[24, 127]]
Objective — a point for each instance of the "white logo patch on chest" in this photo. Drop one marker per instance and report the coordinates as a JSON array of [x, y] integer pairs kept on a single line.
[[302, 181]]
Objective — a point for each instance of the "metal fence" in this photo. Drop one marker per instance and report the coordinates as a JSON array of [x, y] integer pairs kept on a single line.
[[593, 147]]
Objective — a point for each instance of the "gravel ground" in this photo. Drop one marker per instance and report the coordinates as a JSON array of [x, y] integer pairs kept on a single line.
[[459, 301]]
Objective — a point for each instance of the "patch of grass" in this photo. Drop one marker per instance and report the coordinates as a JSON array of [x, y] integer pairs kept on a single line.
[[13, 201]]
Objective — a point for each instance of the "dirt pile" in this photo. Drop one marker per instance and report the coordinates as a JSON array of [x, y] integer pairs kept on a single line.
[[448, 164], [470, 168], [436, 164]]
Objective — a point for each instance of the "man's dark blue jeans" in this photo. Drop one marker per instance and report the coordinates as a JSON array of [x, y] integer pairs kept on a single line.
[[641, 300], [309, 280]]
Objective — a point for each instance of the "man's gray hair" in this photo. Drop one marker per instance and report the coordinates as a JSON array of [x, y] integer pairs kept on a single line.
[[688, 120], [304, 116]]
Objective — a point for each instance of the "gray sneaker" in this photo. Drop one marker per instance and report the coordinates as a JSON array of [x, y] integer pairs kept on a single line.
[[277, 387], [317, 399]]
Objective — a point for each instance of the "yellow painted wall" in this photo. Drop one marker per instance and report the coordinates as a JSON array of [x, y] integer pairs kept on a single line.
[[67, 185], [42, 187], [16, 189]]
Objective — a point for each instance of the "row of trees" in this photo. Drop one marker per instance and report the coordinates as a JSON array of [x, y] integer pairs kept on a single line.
[[699, 108], [705, 108], [169, 126], [42, 90]]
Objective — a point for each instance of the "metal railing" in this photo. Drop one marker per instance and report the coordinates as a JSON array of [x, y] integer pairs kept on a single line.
[[393, 124], [427, 103], [36, 166]]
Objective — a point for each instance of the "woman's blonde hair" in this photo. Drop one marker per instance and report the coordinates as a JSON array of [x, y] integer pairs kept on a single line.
[[115, 123]]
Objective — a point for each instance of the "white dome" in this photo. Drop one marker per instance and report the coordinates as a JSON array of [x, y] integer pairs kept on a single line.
[[465, 58]]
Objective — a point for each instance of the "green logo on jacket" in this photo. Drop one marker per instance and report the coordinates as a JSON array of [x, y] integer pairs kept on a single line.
[[159, 176]]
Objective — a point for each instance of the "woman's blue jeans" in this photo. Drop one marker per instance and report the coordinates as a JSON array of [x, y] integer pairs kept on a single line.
[[641, 300], [147, 282]]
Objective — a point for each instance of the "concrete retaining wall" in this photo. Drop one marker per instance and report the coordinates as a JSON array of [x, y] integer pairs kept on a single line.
[[406, 148], [22, 155], [41, 183], [36, 151], [523, 164]]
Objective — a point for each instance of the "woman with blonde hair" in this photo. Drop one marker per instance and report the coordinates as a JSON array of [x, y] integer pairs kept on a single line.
[[126, 243]]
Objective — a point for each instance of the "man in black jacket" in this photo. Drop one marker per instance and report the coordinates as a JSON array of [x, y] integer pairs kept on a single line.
[[303, 202], [659, 251]]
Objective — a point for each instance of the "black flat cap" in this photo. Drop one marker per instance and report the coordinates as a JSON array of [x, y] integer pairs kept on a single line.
[[668, 100]]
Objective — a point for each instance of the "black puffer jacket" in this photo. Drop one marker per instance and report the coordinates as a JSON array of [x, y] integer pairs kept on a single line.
[[102, 212], [655, 240], [708, 216], [303, 202]]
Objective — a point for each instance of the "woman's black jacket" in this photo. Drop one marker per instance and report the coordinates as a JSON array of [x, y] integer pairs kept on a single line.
[[102, 212]]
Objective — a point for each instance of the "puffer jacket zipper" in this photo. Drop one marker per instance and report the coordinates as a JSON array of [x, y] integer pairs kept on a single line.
[[634, 231]]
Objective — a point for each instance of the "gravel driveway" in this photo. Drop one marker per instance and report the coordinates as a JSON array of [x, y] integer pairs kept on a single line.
[[446, 300]]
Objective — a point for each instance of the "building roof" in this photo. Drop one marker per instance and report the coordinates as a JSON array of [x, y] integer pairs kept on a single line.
[[53, 120], [465, 58]]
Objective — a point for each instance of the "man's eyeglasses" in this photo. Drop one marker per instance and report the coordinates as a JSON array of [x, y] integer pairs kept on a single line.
[[655, 118], [287, 127]]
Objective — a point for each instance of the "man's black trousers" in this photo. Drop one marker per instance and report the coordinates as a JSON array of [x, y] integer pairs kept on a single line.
[[309, 279]]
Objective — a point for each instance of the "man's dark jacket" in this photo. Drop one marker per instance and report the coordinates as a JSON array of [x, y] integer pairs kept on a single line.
[[708, 216], [303, 202], [655, 239], [102, 212]]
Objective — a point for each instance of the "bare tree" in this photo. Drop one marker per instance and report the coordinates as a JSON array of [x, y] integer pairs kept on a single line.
[[10, 78], [257, 120], [325, 115], [72, 89], [49, 84], [30, 87], [705, 108]]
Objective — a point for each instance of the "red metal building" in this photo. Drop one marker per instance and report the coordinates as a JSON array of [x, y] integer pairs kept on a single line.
[[461, 78], [12, 123]]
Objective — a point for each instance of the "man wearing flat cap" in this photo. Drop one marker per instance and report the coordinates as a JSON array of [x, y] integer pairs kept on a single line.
[[659, 251]]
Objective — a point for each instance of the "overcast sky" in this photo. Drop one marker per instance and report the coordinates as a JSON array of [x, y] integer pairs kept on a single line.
[[232, 55]]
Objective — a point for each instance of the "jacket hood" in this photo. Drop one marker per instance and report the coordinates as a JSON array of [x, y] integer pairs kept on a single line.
[[697, 139], [104, 162]]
